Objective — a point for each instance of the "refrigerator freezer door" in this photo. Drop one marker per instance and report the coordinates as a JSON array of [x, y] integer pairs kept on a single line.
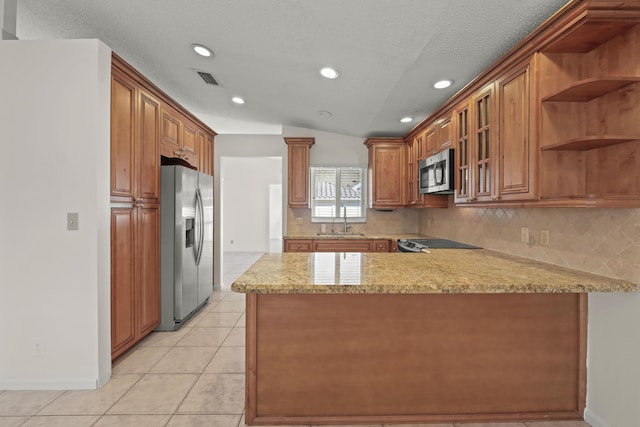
[[186, 292], [205, 268]]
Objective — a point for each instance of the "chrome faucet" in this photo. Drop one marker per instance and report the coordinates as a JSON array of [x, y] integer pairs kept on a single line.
[[344, 213]]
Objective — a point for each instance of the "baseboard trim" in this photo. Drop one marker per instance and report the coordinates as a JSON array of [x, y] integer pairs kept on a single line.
[[57, 384], [594, 419]]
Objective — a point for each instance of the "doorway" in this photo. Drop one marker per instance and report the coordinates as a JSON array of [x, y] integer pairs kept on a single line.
[[251, 211]]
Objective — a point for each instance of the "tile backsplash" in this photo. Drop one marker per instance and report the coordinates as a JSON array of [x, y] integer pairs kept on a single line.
[[396, 221], [596, 240]]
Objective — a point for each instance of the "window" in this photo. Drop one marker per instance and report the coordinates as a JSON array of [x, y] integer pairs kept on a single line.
[[336, 191]]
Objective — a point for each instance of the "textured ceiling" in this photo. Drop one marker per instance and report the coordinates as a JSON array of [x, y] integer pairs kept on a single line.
[[388, 52]]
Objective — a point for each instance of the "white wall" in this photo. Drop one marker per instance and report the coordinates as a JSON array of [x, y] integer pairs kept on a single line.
[[245, 191], [242, 146], [332, 149], [54, 122], [613, 363]]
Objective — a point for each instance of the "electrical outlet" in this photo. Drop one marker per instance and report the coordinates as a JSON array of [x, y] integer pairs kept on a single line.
[[299, 220], [38, 347], [73, 221], [544, 237], [524, 235]]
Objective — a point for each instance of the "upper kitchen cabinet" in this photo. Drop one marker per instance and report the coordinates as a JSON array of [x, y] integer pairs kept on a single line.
[[590, 117], [179, 137], [205, 144], [476, 148], [517, 155], [413, 157], [135, 159], [495, 153], [444, 140], [387, 172], [554, 122], [298, 152]]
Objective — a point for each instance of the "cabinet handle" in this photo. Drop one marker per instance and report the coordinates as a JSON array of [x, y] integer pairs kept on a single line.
[[495, 197], [298, 246], [470, 199]]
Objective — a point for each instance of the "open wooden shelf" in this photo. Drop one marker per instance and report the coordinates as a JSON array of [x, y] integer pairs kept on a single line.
[[590, 142], [590, 32], [588, 89]]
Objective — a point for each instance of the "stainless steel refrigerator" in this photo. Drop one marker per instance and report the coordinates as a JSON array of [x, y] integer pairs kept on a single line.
[[186, 210]]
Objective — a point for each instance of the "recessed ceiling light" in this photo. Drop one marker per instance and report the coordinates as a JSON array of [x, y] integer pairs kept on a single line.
[[324, 113], [406, 119], [329, 73], [237, 100], [202, 50], [442, 84]]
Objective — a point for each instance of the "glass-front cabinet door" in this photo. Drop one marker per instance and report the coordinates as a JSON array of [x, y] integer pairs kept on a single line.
[[461, 141], [482, 143]]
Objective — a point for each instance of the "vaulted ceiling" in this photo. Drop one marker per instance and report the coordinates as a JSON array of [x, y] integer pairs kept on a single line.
[[388, 53]]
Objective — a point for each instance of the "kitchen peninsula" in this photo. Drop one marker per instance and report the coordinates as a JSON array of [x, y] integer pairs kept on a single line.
[[453, 335]]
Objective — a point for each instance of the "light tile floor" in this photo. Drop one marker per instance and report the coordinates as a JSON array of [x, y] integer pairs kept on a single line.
[[192, 377]]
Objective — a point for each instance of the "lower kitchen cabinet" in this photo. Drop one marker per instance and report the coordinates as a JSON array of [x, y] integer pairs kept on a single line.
[[135, 279], [297, 245], [339, 245], [342, 245]]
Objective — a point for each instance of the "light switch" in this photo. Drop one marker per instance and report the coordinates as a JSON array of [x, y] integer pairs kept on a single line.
[[73, 221]]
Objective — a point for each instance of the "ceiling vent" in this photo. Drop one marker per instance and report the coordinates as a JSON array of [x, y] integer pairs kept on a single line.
[[208, 78]]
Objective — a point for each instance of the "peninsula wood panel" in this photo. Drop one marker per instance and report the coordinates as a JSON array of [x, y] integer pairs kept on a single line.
[[372, 358]]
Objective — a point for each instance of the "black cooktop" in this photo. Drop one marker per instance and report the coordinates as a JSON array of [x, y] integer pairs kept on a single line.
[[416, 245]]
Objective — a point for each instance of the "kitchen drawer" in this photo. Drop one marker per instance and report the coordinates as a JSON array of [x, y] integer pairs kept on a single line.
[[380, 245], [297, 245], [342, 245]]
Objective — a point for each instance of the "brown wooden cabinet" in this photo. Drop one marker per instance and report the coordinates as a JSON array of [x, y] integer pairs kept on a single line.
[[179, 137], [123, 280], [387, 172], [517, 155], [145, 125], [429, 146], [444, 140], [171, 133], [190, 142], [135, 246], [476, 145], [413, 194], [339, 245], [589, 123], [298, 152], [462, 192], [554, 122], [304, 245], [205, 144]]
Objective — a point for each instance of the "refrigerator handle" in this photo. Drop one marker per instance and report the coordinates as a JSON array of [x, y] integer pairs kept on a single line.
[[199, 225]]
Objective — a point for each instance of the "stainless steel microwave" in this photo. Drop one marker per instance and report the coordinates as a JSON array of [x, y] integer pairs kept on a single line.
[[435, 173]]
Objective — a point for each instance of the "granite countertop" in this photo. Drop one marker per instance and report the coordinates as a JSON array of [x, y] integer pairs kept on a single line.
[[440, 271], [352, 236]]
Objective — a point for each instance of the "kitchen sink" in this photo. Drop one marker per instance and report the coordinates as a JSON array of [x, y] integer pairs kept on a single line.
[[340, 234]]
